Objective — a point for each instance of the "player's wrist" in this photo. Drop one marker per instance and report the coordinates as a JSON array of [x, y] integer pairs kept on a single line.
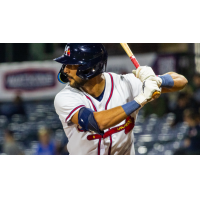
[[141, 99], [167, 81], [131, 107]]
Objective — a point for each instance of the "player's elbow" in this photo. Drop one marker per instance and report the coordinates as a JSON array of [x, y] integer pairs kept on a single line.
[[184, 82]]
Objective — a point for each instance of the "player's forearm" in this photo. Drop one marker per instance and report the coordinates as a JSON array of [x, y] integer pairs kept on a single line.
[[104, 119], [109, 118], [179, 83]]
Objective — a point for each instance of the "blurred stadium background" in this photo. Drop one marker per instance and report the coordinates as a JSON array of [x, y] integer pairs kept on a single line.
[[28, 85]]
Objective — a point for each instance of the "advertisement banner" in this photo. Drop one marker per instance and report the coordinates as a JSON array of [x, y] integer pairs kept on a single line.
[[30, 80], [33, 80]]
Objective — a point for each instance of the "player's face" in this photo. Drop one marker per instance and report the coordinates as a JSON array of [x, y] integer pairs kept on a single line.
[[74, 80]]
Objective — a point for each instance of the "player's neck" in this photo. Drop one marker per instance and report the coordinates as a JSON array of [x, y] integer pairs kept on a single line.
[[95, 86]]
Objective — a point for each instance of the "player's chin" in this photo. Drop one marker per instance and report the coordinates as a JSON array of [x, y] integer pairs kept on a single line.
[[74, 84], [71, 83]]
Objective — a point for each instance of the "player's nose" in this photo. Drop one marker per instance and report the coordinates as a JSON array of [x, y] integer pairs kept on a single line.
[[66, 70]]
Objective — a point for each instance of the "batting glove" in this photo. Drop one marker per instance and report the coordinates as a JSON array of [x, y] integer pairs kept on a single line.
[[147, 73], [148, 89]]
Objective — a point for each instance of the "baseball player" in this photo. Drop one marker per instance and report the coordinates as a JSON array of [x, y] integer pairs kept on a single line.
[[98, 110]]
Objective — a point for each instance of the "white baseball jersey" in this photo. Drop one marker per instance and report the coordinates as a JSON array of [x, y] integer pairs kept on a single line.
[[118, 140]]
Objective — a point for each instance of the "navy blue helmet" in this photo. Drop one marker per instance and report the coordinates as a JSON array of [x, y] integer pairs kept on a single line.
[[91, 58]]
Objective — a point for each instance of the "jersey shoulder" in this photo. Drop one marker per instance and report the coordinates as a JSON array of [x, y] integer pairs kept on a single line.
[[128, 84], [124, 77], [67, 95]]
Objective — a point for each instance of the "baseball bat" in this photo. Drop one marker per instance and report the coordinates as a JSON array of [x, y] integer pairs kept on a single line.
[[136, 64]]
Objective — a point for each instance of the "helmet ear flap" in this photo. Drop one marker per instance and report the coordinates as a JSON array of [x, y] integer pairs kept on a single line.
[[62, 78]]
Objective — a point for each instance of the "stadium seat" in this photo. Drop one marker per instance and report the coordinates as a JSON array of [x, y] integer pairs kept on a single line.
[[3, 121]]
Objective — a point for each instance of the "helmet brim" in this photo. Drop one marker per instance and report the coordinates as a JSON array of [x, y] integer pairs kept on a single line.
[[66, 60]]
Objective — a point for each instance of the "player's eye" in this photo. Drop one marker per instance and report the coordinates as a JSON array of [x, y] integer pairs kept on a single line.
[[75, 67]]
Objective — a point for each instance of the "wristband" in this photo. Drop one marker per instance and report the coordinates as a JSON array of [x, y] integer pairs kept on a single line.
[[167, 81], [131, 107]]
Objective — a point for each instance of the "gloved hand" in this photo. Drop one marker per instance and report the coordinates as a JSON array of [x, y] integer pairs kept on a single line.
[[147, 73], [148, 89]]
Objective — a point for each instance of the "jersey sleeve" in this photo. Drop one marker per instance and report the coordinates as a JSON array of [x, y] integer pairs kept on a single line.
[[134, 85], [67, 104]]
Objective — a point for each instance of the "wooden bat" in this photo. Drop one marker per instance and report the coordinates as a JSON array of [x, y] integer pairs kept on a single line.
[[136, 64]]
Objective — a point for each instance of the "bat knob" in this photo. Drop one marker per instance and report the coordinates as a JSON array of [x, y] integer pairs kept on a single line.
[[156, 95]]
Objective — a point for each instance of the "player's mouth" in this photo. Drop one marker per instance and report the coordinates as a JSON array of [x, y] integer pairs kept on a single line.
[[69, 78]]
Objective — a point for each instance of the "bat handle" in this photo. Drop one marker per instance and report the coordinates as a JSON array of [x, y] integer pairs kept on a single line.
[[156, 95], [134, 61]]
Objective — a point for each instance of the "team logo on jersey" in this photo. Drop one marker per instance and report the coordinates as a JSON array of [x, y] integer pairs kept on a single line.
[[67, 51], [125, 125]]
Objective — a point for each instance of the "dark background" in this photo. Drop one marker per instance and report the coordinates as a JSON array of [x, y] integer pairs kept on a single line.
[[16, 52]]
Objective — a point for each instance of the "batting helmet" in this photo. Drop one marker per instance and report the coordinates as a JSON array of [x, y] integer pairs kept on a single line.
[[91, 58]]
